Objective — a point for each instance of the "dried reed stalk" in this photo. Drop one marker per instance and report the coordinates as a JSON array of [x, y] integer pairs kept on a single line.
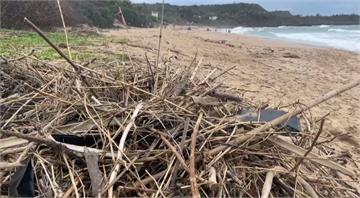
[[156, 143]]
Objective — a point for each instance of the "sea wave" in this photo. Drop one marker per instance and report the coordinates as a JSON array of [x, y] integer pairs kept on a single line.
[[341, 37], [242, 30], [343, 30], [322, 39]]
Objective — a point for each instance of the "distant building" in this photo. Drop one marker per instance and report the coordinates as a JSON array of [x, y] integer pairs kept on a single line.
[[155, 14], [213, 18]]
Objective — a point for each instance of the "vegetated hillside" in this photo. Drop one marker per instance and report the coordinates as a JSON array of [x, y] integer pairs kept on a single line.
[[227, 13], [103, 13], [46, 14], [42, 13], [242, 14]]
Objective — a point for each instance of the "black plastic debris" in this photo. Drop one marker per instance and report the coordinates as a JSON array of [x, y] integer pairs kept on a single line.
[[267, 115], [85, 140], [22, 182]]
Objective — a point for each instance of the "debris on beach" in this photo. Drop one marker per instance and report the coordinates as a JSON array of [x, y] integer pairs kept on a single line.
[[290, 55], [87, 130]]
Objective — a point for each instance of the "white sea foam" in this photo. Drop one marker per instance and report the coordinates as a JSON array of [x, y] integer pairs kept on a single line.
[[323, 39], [341, 37], [343, 30], [242, 30]]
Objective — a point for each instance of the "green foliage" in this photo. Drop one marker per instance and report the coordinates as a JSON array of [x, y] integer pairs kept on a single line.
[[135, 18], [103, 13], [21, 42], [18, 43], [241, 14], [99, 13], [45, 14]]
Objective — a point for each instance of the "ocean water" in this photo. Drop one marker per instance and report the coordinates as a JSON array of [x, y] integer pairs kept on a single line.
[[336, 36]]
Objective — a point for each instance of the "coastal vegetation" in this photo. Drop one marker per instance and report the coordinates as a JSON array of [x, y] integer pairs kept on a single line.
[[18, 43], [103, 13]]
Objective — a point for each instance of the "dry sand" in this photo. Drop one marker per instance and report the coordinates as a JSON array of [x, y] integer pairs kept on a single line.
[[267, 71]]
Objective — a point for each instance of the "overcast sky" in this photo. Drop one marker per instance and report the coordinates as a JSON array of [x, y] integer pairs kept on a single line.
[[304, 7]]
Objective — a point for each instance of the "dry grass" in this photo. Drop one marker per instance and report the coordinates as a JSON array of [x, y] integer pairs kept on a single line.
[[141, 141]]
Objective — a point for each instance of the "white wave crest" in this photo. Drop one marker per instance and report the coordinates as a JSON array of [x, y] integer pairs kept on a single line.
[[343, 30], [242, 30], [323, 39]]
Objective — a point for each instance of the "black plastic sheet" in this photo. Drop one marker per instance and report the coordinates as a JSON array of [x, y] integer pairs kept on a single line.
[[22, 181], [267, 115]]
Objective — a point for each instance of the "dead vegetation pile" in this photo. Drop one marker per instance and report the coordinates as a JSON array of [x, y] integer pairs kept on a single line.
[[148, 130]]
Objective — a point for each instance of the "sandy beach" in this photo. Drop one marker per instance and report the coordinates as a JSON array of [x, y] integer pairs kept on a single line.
[[266, 71], [182, 115], [180, 99]]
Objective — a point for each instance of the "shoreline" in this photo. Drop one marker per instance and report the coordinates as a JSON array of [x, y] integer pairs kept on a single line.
[[319, 42], [303, 43], [278, 73], [290, 42]]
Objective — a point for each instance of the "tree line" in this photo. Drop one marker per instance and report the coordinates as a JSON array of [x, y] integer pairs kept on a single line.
[[103, 13]]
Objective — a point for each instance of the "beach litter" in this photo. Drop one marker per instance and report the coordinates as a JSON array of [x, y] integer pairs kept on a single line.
[[76, 130], [269, 114]]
